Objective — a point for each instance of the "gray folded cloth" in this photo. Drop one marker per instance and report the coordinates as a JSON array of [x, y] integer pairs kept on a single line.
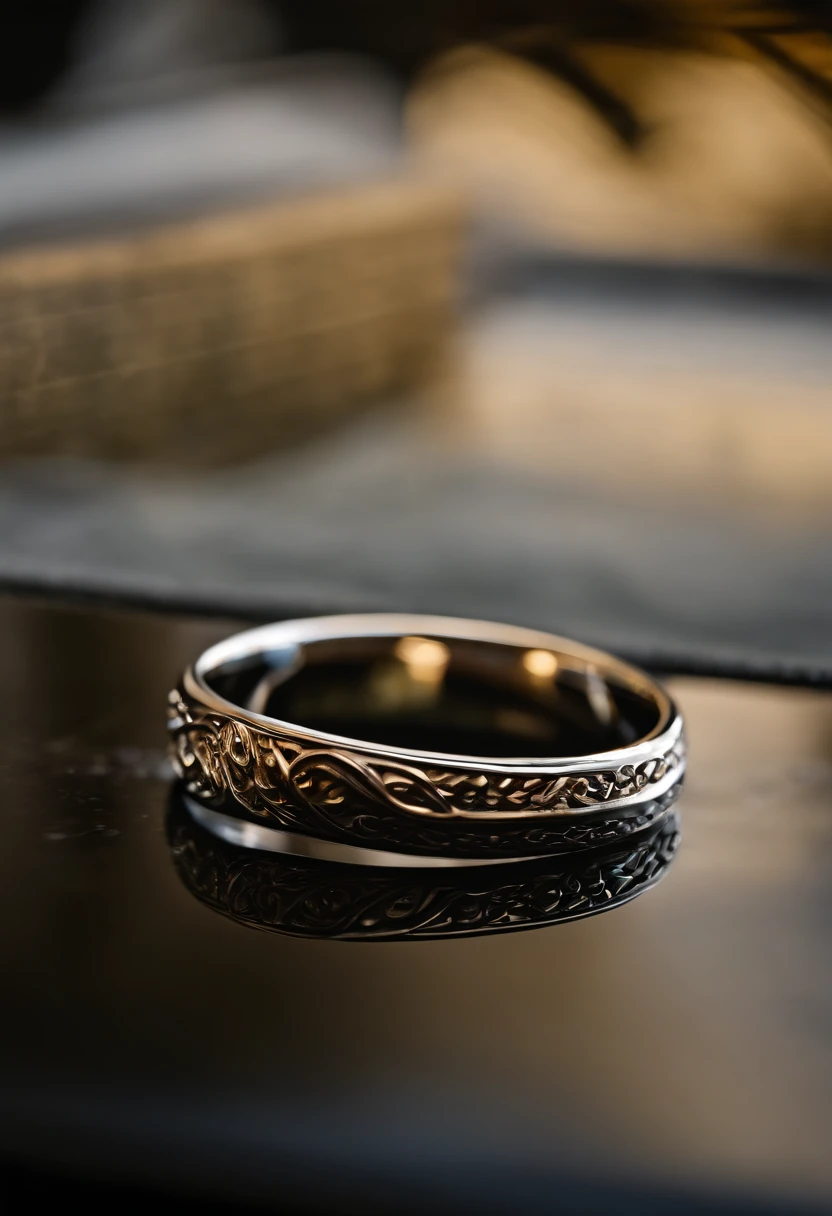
[[377, 518], [312, 124]]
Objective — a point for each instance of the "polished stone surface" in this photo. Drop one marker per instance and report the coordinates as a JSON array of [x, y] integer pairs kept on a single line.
[[676, 1049]]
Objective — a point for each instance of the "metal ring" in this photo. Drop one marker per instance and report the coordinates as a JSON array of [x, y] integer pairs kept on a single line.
[[238, 755]]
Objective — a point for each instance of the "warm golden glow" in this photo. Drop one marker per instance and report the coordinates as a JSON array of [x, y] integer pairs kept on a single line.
[[425, 658], [540, 663]]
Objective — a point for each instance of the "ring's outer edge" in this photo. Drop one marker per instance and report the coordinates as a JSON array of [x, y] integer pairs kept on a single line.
[[283, 634]]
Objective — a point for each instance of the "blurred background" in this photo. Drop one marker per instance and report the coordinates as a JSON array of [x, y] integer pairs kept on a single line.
[[513, 310]]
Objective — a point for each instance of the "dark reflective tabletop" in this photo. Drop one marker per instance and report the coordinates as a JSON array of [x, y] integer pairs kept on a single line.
[[674, 1053]]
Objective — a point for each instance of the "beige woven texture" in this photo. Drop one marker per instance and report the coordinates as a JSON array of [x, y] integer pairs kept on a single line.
[[217, 339]]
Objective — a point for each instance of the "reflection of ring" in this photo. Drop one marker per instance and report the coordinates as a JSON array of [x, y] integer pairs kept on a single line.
[[437, 737], [315, 899]]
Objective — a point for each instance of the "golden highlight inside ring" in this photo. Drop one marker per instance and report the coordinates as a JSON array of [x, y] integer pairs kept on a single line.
[[426, 659], [542, 664]]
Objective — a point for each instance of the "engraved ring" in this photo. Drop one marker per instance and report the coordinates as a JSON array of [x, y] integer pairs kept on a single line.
[[417, 740]]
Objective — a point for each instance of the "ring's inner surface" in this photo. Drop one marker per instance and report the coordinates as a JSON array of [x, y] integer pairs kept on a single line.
[[443, 695]]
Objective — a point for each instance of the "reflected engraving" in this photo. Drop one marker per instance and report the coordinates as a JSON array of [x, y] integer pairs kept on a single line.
[[306, 898]]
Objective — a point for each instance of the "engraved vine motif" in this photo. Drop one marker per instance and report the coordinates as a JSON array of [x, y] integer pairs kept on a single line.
[[342, 795], [276, 772]]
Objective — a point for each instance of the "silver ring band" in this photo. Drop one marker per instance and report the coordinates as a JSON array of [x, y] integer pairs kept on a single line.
[[261, 729]]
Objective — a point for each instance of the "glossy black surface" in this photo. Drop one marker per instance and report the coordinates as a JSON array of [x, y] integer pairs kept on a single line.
[[673, 1054]]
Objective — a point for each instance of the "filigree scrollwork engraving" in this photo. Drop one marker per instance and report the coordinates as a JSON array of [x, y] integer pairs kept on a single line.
[[368, 800]]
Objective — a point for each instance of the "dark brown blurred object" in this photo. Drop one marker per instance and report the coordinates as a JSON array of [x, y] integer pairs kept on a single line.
[[558, 36], [40, 41], [226, 336]]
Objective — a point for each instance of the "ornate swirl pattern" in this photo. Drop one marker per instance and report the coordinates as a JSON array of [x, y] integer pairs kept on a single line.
[[346, 796], [314, 899]]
